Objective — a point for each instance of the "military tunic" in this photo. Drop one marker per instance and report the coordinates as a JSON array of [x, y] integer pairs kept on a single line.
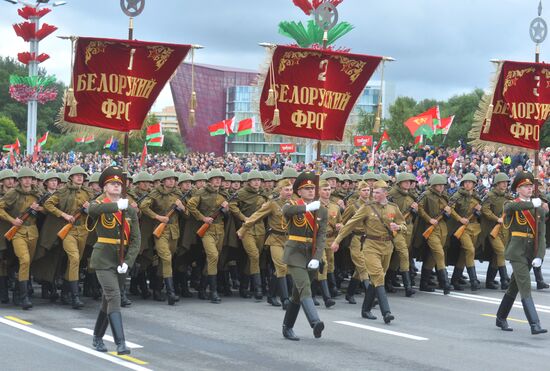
[[403, 241], [430, 207], [334, 218], [491, 210], [464, 207], [357, 239]]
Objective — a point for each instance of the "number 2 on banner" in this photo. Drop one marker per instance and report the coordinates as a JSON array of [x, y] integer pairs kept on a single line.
[[323, 66]]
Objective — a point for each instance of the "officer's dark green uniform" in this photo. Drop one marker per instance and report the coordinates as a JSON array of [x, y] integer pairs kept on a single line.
[[522, 220], [105, 257], [298, 253]]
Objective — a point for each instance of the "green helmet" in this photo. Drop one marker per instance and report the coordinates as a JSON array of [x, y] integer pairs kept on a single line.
[[244, 177], [236, 177], [328, 175], [7, 173], [346, 177], [401, 177], [77, 170], [226, 175], [184, 177], [469, 177], [94, 178], [355, 177], [370, 176], [277, 177], [438, 179], [215, 173], [254, 174], [385, 177], [63, 177], [199, 175], [26, 172], [289, 172], [143, 176], [500, 177], [50, 175], [168, 174], [156, 176]]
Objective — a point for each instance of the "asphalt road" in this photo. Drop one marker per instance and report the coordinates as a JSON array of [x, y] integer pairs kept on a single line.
[[431, 332]]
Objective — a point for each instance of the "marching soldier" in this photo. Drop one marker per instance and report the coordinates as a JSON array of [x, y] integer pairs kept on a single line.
[[107, 213], [381, 220], [235, 183], [7, 182], [301, 257], [65, 203], [12, 205], [157, 206], [199, 180], [524, 218]]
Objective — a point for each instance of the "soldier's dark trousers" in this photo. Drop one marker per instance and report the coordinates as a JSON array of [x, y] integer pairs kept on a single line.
[[110, 300]]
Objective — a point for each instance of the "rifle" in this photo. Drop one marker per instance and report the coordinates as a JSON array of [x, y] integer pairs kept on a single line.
[[428, 232], [160, 228], [496, 229], [410, 211], [63, 232], [479, 189], [28, 212], [140, 200], [202, 230]]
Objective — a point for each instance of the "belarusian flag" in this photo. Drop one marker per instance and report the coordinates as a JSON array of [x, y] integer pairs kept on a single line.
[[108, 143], [420, 125], [418, 141], [86, 140], [385, 138], [245, 126], [156, 142], [13, 147], [42, 141], [436, 116], [221, 128], [445, 125], [143, 155], [154, 131]]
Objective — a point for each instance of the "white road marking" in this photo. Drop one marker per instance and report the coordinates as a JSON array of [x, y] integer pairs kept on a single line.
[[73, 345], [88, 331], [382, 331]]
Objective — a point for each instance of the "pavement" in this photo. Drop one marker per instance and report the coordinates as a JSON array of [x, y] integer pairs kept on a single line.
[[431, 331]]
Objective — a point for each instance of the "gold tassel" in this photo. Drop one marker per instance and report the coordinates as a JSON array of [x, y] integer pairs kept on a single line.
[[71, 102], [191, 117], [276, 118], [270, 98], [193, 103], [377, 119], [488, 116]]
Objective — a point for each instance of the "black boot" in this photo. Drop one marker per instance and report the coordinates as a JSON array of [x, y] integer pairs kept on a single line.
[[16, 299], [331, 278], [352, 286], [409, 291], [75, 295], [99, 331], [490, 278], [289, 321], [65, 293], [502, 313], [283, 289], [124, 301], [227, 284], [86, 287], [504, 279], [540, 280], [444, 281], [455, 279], [257, 281], [326, 294], [4, 294], [143, 288], [170, 293], [474, 283], [532, 316], [30, 289], [384, 304], [368, 301], [134, 287], [212, 281], [314, 292], [388, 281], [234, 275], [46, 288], [118, 333], [24, 300], [272, 297], [243, 287], [425, 280], [157, 289], [202, 287], [312, 317]]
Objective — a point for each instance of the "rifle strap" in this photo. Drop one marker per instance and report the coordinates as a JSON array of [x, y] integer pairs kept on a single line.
[[381, 220]]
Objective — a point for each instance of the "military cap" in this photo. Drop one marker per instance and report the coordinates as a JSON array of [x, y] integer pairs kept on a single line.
[[7, 173], [143, 176], [369, 175], [289, 172], [168, 174], [215, 173], [77, 170], [199, 175], [113, 174], [26, 172], [500, 177], [305, 179], [254, 174], [284, 183], [521, 179], [94, 178], [329, 175], [323, 183], [380, 184], [468, 177], [402, 177], [184, 177], [438, 179], [50, 175], [362, 184]]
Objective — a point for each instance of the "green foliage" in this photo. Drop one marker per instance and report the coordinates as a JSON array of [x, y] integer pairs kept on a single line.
[[8, 130], [313, 34]]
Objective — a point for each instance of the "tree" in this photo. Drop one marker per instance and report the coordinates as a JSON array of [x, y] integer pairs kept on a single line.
[[8, 130]]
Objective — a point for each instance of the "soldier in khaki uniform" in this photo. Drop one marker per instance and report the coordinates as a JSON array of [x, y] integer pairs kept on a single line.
[[381, 220], [12, 205], [249, 199], [66, 202], [300, 256], [277, 236], [156, 206], [492, 214], [7, 182], [525, 220], [107, 212], [201, 206]]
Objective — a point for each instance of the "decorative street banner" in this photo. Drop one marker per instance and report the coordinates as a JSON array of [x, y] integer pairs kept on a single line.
[[115, 82], [362, 140], [518, 108], [309, 93], [287, 148]]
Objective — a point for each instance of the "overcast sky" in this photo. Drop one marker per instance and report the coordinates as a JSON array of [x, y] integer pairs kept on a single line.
[[441, 47]]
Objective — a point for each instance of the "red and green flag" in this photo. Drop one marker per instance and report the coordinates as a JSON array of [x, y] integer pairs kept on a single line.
[[445, 125], [143, 155], [245, 126], [42, 141], [436, 116], [221, 128], [156, 142], [13, 147], [420, 125], [384, 139], [154, 131], [85, 140]]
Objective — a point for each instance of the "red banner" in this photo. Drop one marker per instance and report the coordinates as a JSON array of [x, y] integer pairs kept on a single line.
[[362, 140], [117, 81], [314, 91], [287, 148], [520, 105]]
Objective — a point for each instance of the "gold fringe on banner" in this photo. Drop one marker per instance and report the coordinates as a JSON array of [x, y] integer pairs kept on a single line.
[[70, 100], [191, 117], [270, 98], [266, 72]]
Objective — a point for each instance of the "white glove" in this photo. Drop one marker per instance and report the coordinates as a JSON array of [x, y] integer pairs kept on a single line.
[[121, 269], [537, 262], [312, 206], [313, 264], [536, 202], [122, 204]]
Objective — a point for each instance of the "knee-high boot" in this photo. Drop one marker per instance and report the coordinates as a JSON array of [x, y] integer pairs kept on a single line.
[[289, 321], [313, 318], [503, 310]]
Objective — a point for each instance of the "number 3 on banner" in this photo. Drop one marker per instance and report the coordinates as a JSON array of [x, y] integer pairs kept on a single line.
[[323, 66]]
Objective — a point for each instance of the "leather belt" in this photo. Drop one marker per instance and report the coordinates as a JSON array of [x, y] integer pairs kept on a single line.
[[299, 238], [523, 234], [279, 233], [360, 234], [110, 241], [377, 238]]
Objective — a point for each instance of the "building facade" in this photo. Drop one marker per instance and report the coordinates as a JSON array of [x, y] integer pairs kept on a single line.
[[168, 118]]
